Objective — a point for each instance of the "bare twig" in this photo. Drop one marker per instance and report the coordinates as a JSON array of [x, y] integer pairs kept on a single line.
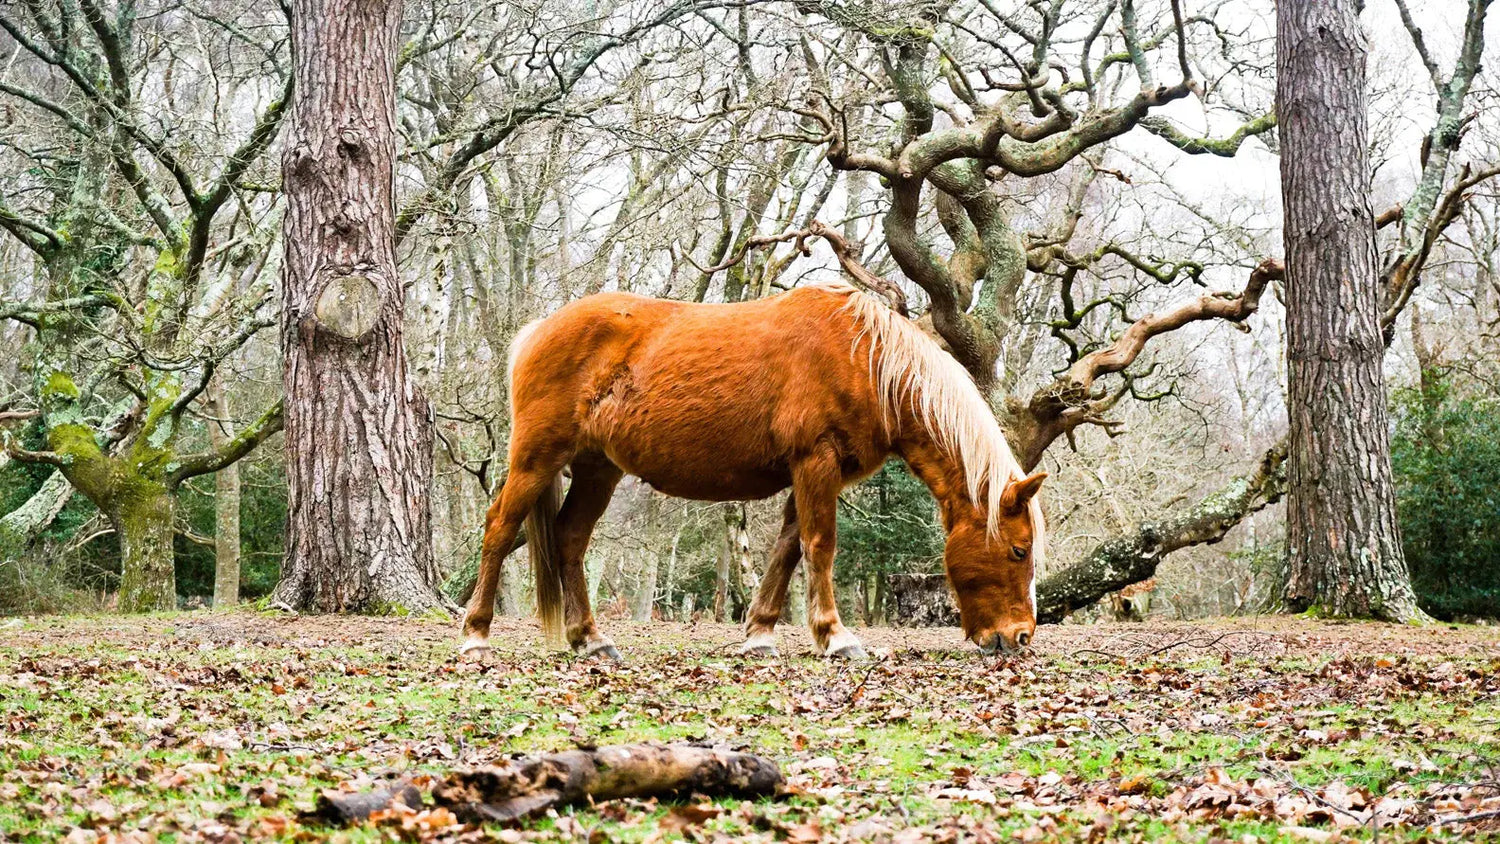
[[842, 249]]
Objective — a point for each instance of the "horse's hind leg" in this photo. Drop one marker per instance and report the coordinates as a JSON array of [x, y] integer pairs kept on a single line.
[[816, 482], [518, 494], [594, 480], [760, 622]]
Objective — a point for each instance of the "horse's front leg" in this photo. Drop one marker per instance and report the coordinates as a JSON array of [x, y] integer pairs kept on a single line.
[[594, 480], [816, 483], [765, 611]]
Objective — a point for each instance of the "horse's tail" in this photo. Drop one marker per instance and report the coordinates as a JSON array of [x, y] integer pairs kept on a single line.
[[546, 560]]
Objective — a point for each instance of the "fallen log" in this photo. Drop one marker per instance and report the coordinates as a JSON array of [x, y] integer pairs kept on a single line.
[[536, 783], [340, 808], [533, 784]]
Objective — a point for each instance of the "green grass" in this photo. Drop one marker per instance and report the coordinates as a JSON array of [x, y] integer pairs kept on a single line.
[[195, 726]]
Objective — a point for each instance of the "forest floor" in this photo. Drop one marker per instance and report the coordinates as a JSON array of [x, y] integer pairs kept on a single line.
[[222, 727]]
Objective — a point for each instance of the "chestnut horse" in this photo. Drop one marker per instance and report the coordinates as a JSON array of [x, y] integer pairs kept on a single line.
[[813, 389]]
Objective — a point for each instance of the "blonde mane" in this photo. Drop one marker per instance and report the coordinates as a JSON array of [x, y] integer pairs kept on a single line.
[[910, 366]]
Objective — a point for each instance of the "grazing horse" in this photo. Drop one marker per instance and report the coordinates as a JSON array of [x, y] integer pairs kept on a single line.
[[812, 389]]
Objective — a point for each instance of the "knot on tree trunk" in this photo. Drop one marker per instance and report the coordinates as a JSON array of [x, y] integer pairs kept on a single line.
[[349, 306], [352, 145]]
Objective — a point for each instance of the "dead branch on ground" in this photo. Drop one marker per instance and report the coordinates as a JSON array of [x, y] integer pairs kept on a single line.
[[531, 785]]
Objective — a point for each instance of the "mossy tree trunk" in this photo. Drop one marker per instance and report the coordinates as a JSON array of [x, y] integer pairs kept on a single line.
[[142, 511], [130, 468], [137, 499]]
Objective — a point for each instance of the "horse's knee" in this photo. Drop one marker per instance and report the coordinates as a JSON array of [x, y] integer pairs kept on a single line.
[[819, 548]]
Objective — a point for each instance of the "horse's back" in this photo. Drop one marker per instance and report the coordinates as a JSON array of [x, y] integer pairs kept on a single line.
[[605, 330], [702, 400]]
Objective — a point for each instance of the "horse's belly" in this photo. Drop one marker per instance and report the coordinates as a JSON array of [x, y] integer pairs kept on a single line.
[[699, 445], [722, 486], [700, 462]]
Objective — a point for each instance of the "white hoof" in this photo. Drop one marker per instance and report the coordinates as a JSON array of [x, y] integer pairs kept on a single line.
[[474, 645], [761, 644], [601, 647], [845, 645]]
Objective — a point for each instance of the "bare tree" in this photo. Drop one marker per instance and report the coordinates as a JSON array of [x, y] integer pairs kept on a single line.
[[147, 255]]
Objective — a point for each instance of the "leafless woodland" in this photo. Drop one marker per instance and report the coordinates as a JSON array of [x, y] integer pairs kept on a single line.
[[1080, 199]]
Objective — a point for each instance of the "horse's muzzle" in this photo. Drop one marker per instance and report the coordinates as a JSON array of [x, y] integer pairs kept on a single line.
[[999, 643]]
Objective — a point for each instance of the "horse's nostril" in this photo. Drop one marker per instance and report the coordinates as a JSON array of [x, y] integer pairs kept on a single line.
[[1023, 639]]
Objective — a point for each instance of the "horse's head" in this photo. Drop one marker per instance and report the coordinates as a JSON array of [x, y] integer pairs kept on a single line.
[[992, 571]]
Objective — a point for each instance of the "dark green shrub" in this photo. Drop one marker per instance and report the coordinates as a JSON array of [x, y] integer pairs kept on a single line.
[[887, 524], [1446, 458]]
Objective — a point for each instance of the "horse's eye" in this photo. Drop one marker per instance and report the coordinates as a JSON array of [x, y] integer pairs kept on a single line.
[[1018, 552]]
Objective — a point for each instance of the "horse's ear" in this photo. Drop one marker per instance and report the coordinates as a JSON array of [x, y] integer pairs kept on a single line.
[[1018, 493]]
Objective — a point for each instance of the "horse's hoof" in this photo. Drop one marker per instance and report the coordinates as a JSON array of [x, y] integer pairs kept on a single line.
[[760, 645], [845, 646], [605, 649], [474, 647]]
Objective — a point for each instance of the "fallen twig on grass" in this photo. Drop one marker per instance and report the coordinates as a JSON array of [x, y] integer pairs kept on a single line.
[[533, 784], [1200, 642], [1480, 816]]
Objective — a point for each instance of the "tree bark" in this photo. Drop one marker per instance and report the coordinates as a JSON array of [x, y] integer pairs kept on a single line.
[[359, 445], [1343, 544], [142, 517], [226, 508]]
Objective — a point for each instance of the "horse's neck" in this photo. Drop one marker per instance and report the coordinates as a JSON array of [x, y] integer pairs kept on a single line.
[[942, 475]]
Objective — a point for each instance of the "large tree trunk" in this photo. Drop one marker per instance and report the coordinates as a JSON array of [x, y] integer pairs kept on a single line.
[[142, 517], [1343, 546], [359, 446], [226, 509]]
